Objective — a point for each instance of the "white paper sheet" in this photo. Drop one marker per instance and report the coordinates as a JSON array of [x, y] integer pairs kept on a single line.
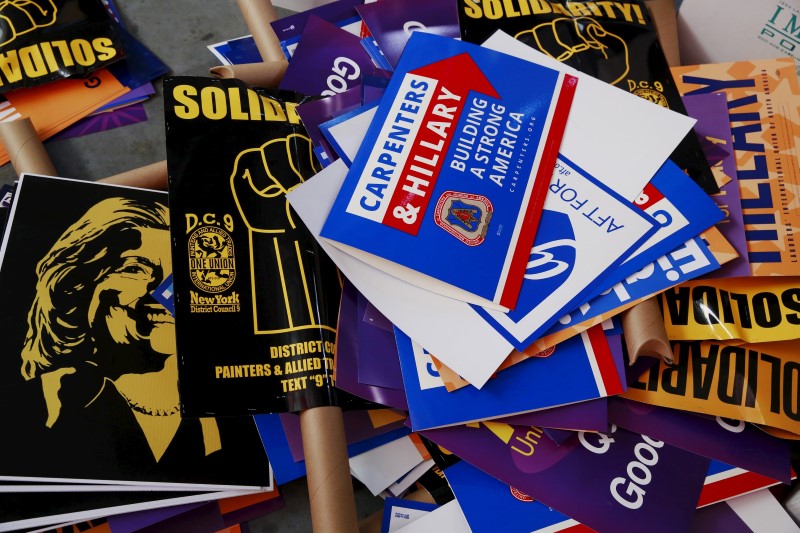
[[719, 31], [617, 137], [382, 466]]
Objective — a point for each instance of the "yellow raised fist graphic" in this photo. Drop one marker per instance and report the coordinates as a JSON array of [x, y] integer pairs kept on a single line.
[[18, 17], [583, 41], [262, 176], [285, 269]]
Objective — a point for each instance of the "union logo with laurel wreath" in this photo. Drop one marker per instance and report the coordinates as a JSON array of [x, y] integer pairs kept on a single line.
[[212, 262]]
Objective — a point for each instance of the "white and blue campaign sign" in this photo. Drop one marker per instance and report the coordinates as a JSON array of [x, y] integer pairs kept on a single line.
[[581, 368], [460, 337], [682, 210], [165, 295], [450, 178], [688, 261], [484, 499], [604, 123], [236, 51], [586, 230], [398, 513], [345, 133]]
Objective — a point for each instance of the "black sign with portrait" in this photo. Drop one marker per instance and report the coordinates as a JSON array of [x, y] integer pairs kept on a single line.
[[615, 42], [88, 366], [256, 299]]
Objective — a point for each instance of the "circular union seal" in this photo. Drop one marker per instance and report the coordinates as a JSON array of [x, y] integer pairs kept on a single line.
[[212, 264], [521, 496], [652, 95], [547, 352]]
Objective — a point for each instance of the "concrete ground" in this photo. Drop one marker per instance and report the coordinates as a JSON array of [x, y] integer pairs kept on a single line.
[[178, 32]]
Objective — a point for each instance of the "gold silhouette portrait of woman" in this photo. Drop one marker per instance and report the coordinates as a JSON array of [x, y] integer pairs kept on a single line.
[[96, 334]]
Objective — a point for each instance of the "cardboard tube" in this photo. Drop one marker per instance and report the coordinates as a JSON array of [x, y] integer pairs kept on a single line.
[[267, 74], [257, 15], [330, 487], [644, 331], [25, 149], [665, 20], [153, 176]]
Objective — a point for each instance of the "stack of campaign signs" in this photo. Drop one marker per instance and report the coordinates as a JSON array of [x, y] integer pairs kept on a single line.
[[494, 208], [72, 68]]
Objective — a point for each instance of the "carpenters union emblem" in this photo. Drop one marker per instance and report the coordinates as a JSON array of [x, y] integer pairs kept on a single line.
[[464, 216]]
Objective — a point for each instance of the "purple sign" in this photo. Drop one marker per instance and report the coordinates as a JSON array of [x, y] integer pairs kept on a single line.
[[327, 61], [138, 520], [107, 120], [620, 481], [290, 29], [315, 112], [730, 441], [378, 361], [713, 128], [391, 23], [347, 349], [559, 436], [591, 415], [373, 86]]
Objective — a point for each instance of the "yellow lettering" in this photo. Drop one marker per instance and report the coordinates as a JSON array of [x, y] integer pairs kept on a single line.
[[578, 10], [527, 453], [104, 48], [493, 9], [594, 9], [213, 103], [49, 57], [82, 52], [540, 7], [558, 8], [189, 110], [472, 10], [625, 9], [272, 110], [606, 5], [254, 105], [236, 104], [291, 113], [510, 9], [294, 384], [63, 49], [32, 61], [639, 15]]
